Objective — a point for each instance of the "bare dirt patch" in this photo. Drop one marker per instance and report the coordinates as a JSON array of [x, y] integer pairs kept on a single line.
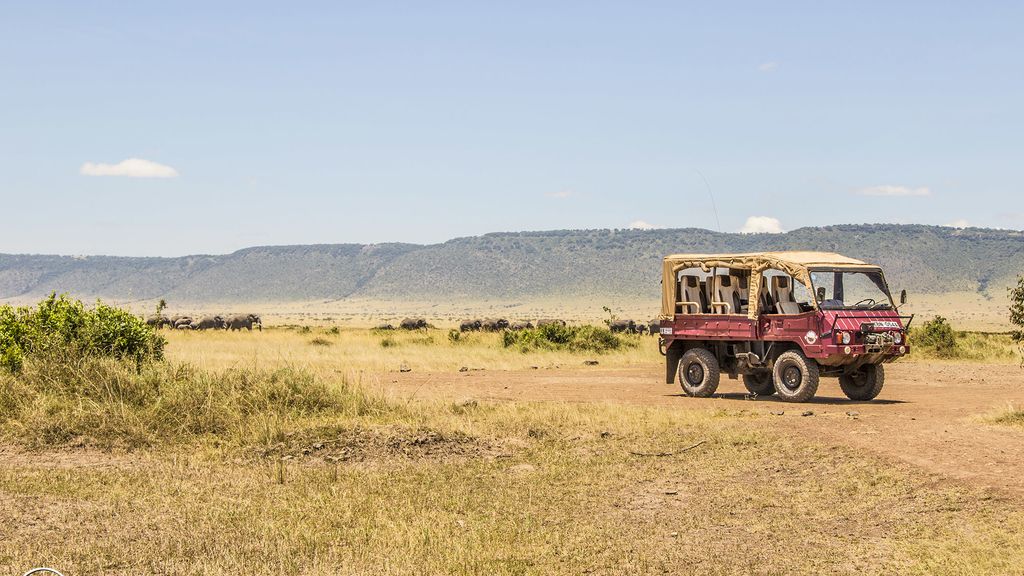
[[926, 416], [360, 444]]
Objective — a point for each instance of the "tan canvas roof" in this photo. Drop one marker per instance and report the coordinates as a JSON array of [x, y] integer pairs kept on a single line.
[[793, 263], [800, 258]]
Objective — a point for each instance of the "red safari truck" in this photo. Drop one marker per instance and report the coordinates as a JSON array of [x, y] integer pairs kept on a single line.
[[781, 320]]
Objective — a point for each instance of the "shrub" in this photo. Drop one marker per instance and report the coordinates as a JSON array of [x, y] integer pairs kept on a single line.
[[318, 341], [63, 327], [388, 342], [571, 338], [334, 331], [938, 337], [1017, 309]]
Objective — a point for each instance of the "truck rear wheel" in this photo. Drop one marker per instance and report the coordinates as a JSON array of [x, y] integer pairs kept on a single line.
[[699, 372], [864, 384], [759, 383], [796, 377]]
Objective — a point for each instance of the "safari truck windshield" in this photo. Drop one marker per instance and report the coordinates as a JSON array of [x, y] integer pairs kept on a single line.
[[851, 289]]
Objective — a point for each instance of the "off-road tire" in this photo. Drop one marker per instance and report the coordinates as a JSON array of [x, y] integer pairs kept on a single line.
[[865, 384], [795, 377], [699, 373], [759, 383]]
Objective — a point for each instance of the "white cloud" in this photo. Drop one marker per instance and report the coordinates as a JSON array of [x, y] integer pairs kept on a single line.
[[642, 225], [560, 194], [132, 168], [890, 190], [768, 67], [958, 223], [762, 225]]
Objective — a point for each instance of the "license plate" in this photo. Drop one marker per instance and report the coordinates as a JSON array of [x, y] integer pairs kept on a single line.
[[666, 331]]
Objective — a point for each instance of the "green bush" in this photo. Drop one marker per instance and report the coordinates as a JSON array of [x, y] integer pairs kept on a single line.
[[63, 327], [1017, 309], [571, 338], [937, 337]]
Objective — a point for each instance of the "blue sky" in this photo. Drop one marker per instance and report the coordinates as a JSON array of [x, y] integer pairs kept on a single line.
[[333, 122]]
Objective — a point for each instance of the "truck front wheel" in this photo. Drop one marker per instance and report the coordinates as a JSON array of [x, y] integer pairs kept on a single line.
[[864, 384], [699, 372], [796, 377]]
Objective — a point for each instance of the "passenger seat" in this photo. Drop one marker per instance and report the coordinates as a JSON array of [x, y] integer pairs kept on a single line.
[[729, 292], [782, 291], [691, 298]]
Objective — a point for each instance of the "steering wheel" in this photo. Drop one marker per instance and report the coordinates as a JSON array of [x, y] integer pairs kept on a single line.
[[869, 301]]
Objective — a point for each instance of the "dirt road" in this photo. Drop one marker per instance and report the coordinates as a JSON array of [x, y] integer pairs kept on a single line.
[[929, 415]]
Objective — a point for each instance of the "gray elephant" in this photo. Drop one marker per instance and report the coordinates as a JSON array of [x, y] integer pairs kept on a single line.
[[627, 326], [494, 324], [244, 321], [158, 321], [521, 326], [413, 324], [385, 326], [654, 326], [214, 322], [182, 322], [470, 325]]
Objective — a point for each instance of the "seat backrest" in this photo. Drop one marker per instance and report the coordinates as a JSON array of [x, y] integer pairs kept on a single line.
[[729, 292], [782, 289], [690, 291]]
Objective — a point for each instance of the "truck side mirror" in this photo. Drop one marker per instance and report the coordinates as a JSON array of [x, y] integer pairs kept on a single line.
[[821, 293], [903, 297]]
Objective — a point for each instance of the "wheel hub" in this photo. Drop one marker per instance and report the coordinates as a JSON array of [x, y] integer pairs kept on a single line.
[[791, 377], [694, 373]]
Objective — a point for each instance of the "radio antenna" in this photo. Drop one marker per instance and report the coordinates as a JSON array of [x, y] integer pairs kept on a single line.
[[712, 196]]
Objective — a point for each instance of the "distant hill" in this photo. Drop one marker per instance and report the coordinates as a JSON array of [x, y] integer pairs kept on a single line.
[[564, 263]]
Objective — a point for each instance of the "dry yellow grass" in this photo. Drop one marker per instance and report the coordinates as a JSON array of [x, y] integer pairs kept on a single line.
[[558, 490], [352, 351], [428, 487]]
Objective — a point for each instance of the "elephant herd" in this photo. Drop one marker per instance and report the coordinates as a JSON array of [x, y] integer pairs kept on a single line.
[[634, 327], [207, 322]]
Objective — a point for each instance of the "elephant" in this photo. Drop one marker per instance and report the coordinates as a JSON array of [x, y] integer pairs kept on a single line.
[[654, 326], [494, 324], [627, 326], [158, 321], [470, 325], [385, 326], [214, 322], [550, 322], [182, 322], [521, 326], [247, 321], [413, 323]]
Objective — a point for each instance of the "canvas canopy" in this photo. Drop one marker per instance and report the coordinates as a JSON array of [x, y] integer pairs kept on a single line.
[[796, 264]]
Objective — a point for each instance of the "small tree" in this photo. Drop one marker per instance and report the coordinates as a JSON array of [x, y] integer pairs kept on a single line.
[[160, 306], [1017, 314], [611, 316]]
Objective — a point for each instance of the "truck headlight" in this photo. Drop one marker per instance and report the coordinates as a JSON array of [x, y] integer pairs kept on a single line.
[[897, 337], [843, 338]]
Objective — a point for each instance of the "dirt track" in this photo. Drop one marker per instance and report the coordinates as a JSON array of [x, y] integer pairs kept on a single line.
[[927, 415]]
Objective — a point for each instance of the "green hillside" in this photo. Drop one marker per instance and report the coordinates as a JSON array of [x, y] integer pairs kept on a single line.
[[924, 259]]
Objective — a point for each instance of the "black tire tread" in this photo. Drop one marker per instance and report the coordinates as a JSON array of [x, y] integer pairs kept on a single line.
[[761, 383], [867, 386], [811, 377], [712, 372]]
